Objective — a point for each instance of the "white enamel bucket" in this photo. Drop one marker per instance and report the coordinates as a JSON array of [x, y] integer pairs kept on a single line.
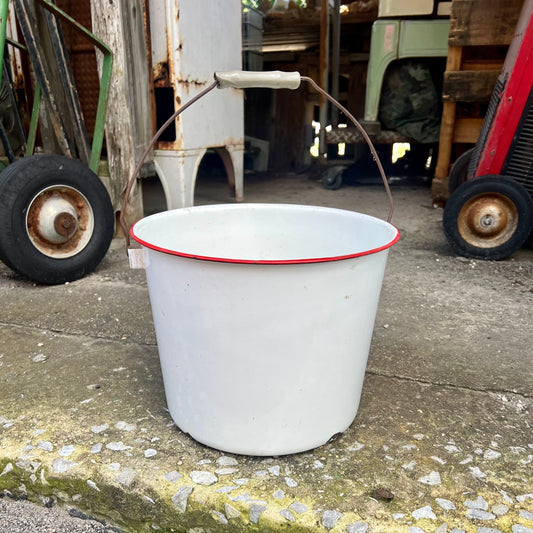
[[264, 315]]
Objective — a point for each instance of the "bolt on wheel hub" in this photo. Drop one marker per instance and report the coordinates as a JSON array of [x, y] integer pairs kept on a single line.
[[65, 224], [488, 220], [59, 221]]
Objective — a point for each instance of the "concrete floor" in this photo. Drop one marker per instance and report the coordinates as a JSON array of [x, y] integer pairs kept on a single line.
[[442, 441]]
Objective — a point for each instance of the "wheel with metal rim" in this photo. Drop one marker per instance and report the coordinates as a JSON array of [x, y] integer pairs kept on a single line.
[[56, 218], [488, 218]]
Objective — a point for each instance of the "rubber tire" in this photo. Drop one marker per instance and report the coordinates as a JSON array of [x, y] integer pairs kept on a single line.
[[20, 182], [517, 194], [332, 179], [459, 171]]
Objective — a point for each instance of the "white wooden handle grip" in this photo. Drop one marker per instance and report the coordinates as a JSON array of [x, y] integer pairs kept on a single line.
[[245, 79]]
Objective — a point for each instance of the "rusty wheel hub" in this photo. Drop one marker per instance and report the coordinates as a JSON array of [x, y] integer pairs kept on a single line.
[[59, 221], [488, 220]]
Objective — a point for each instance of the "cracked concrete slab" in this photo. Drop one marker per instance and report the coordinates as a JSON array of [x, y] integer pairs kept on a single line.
[[442, 441]]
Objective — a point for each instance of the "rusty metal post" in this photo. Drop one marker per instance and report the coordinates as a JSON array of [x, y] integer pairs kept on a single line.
[[148, 39]]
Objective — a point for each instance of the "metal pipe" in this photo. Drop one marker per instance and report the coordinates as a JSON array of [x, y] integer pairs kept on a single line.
[[39, 64], [4, 5], [323, 73], [34, 122], [335, 69], [105, 81]]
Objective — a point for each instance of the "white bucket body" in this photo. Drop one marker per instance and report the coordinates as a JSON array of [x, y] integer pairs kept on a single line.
[[264, 341]]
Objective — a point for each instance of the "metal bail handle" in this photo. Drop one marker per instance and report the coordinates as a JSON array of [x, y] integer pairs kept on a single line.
[[243, 79], [277, 79]]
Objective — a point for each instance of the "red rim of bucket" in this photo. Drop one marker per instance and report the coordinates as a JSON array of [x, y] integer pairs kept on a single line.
[[265, 261]]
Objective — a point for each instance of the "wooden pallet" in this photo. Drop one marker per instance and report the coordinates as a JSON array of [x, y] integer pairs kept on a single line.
[[480, 32]]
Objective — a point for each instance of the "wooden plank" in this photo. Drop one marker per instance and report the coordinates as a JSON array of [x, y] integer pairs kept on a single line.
[[120, 25], [467, 130], [287, 137], [469, 86], [300, 29], [487, 63], [453, 63], [483, 22]]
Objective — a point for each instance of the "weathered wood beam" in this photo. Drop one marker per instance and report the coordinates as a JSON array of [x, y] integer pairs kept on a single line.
[[453, 62], [467, 130], [469, 85], [120, 24], [483, 22]]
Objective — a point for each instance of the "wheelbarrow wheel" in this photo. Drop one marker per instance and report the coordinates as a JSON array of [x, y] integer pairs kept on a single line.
[[488, 218], [56, 218]]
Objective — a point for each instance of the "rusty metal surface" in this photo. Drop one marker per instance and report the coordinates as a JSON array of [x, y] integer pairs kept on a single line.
[[65, 224], [190, 41], [488, 220], [161, 75], [15, 54], [84, 221], [148, 41]]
